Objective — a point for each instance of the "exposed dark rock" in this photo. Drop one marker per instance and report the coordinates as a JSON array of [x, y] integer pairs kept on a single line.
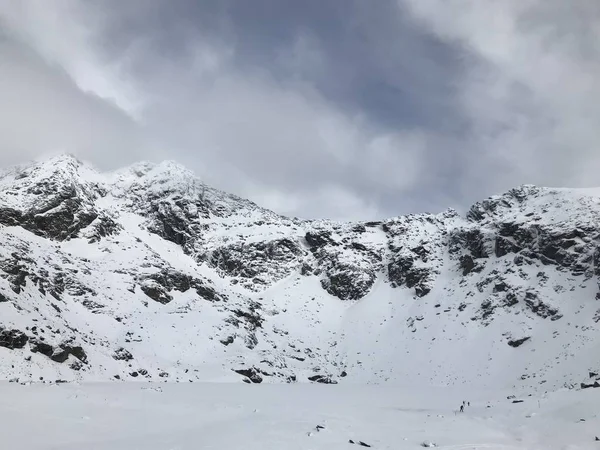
[[76, 365], [308, 270], [372, 224], [72, 286], [62, 221], [511, 299], [10, 217], [487, 309], [276, 259], [422, 251], [500, 287], [122, 354], [58, 354], [75, 350], [323, 379], [12, 339], [358, 246], [348, 283], [253, 319], [92, 305], [504, 246], [44, 348], [175, 220], [359, 228], [467, 264], [471, 239], [318, 239], [156, 292], [227, 341], [17, 271], [518, 342], [172, 280], [102, 227], [538, 307], [421, 290], [252, 374], [61, 213], [207, 292], [401, 271]]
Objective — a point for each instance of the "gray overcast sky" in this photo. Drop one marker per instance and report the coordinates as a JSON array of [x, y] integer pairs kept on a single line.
[[315, 108]]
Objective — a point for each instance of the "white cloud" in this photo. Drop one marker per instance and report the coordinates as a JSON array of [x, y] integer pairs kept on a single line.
[[240, 128], [64, 33], [41, 110], [526, 101], [531, 94]]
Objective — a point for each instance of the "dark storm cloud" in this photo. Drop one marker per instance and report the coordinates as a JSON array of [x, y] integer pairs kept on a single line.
[[342, 108], [365, 67], [366, 56]]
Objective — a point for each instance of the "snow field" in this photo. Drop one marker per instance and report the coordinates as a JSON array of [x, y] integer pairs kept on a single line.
[[126, 416]]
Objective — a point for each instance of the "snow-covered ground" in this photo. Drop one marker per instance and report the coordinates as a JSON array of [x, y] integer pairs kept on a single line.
[[127, 416], [149, 275]]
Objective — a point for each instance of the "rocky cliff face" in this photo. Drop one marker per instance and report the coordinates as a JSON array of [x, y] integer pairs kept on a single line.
[[149, 274]]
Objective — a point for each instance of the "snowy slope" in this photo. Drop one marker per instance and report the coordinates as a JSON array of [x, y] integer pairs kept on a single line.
[[148, 274]]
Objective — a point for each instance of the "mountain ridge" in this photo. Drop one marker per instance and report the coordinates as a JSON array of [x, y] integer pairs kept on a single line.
[[148, 273]]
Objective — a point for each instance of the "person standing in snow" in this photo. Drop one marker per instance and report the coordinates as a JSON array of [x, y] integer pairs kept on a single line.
[[462, 408]]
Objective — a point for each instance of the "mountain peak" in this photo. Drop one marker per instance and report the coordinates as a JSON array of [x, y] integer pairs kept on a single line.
[[147, 272], [59, 159]]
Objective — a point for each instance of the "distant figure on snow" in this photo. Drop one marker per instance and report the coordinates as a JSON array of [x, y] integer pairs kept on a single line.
[[462, 408]]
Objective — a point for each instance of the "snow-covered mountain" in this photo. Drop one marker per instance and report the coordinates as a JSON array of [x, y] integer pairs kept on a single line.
[[147, 273]]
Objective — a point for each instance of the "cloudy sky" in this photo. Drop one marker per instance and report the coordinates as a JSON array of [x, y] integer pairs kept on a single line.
[[316, 108]]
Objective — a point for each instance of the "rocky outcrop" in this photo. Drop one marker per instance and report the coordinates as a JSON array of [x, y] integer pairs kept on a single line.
[[323, 379], [347, 268], [58, 205], [261, 263], [158, 286], [252, 375], [122, 354], [12, 339], [176, 220], [59, 353], [518, 342], [102, 227], [403, 272]]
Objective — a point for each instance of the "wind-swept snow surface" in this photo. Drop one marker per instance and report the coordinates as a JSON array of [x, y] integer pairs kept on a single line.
[[149, 416]]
